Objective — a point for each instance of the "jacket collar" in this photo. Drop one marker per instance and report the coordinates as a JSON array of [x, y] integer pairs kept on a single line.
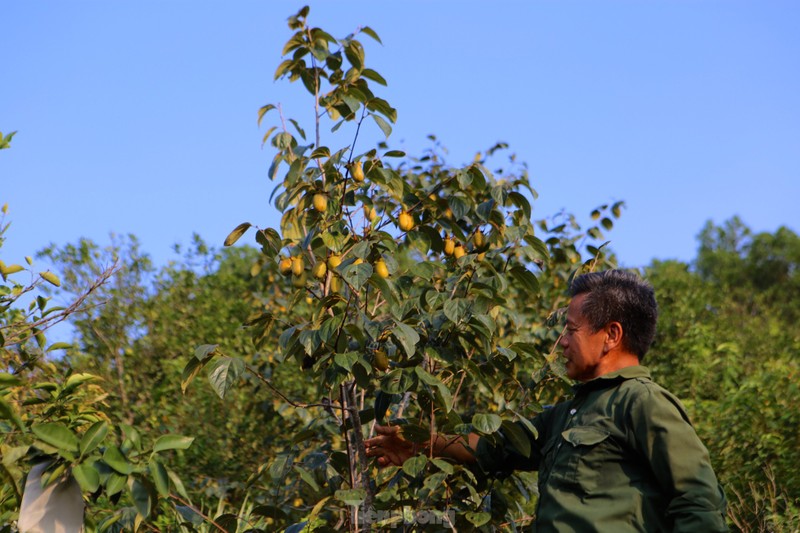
[[612, 378]]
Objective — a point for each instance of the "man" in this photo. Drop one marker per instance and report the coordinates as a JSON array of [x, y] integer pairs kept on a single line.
[[619, 456]]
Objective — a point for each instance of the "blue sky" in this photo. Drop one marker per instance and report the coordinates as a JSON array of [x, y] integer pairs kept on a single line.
[[140, 117]]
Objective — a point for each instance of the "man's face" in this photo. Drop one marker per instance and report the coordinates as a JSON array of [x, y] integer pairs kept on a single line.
[[583, 349]]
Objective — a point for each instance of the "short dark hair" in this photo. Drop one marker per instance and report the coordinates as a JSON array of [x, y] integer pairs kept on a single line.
[[620, 296]]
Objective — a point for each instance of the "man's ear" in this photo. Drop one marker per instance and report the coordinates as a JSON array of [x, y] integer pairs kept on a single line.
[[613, 335]]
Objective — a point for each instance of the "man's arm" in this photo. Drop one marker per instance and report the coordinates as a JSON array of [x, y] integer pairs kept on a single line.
[[679, 461], [390, 448]]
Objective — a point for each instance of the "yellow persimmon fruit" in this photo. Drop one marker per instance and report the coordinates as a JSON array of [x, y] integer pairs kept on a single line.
[[405, 221], [381, 268], [285, 266], [370, 213], [478, 239], [357, 172], [319, 270], [449, 246], [358, 261], [459, 252], [381, 360], [320, 202], [299, 281], [297, 265], [334, 261], [336, 284]]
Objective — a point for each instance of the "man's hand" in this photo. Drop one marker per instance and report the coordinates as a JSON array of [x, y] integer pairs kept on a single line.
[[389, 447]]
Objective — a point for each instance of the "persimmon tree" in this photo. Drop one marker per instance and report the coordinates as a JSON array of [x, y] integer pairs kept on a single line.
[[413, 295]]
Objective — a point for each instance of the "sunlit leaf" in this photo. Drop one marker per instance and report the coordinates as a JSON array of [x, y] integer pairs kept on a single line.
[[57, 435], [172, 442], [93, 437], [87, 477], [414, 466], [237, 232], [113, 457], [351, 496]]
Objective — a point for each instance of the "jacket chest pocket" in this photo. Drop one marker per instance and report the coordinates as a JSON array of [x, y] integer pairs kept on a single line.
[[588, 452]]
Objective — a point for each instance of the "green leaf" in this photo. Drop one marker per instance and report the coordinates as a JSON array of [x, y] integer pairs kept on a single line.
[[229, 522], [382, 403], [160, 477], [478, 518], [369, 31], [172, 442], [190, 371], [458, 206], [298, 128], [520, 201], [204, 350], [456, 309], [526, 279], [93, 437], [354, 53], [486, 423], [114, 458], [321, 151], [374, 76], [270, 241], [334, 240], [59, 346], [76, 380], [7, 412], [177, 483], [87, 477], [224, 373], [9, 380], [141, 495], [346, 360], [382, 124], [351, 497], [51, 278], [281, 465], [115, 483], [357, 275], [407, 337], [57, 435], [443, 465], [237, 232], [517, 437], [414, 466], [306, 476], [415, 433], [445, 397], [263, 111]]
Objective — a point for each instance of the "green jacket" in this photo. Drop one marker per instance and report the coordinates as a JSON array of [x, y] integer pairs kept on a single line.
[[620, 456]]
